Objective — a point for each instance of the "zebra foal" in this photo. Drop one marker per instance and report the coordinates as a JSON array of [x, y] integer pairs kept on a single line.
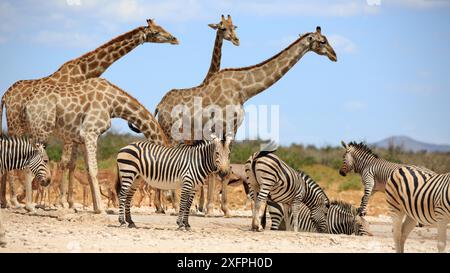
[[271, 178], [169, 168], [414, 196]]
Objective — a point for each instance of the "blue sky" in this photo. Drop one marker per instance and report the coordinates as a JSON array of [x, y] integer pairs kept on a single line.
[[392, 76]]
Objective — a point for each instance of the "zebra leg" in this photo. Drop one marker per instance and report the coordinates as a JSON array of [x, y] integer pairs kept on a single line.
[[287, 218], [397, 222], [408, 225], [224, 201], [442, 234], [369, 183], [295, 214], [187, 195], [129, 199], [90, 158], [210, 200]]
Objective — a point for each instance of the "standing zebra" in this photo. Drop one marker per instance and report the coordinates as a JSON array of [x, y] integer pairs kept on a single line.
[[271, 178], [342, 218], [169, 168], [374, 171], [18, 154], [422, 197]]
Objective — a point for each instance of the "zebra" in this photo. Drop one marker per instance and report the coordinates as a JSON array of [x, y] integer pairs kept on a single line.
[[417, 195], [271, 178], [374, 171], [169, 168], [342, 218], [18, 153]]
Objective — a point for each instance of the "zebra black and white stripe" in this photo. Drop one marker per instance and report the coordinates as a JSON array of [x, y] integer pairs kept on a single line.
[[374, 171], [169, 168], [418, 196], [342, 218], [271, 178], [19, 153]]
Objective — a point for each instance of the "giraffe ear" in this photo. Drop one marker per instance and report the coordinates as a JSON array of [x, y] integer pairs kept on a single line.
[[150, 22]]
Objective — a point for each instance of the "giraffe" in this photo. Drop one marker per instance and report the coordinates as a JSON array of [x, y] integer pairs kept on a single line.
[[90, 65], [225, 30], [235, 86], [80, 113]]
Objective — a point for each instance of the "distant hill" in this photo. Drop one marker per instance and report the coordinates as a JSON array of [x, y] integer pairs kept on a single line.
[[409, 144]]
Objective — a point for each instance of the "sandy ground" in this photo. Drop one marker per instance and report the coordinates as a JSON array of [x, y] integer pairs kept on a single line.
[[67, 230]]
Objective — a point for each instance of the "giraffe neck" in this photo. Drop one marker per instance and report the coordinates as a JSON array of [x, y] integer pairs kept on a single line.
[[216, 56], [128, 108], [259, 77], [94, 63]]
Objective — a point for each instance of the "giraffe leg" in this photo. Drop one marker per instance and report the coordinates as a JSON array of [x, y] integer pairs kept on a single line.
[[201, 201], [29, 191], [224, 201], [72, 166], [210, 201], [442, 234], [3, 203], [12, 191], [90, 158], [2, 232]]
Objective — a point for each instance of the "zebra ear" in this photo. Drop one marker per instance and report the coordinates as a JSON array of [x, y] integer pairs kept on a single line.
[[343, 144]]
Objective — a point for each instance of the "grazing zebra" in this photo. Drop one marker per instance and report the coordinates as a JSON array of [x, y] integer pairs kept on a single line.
[[169, 168], [374, 171], [421, 196], [342, 218], [271, 178]]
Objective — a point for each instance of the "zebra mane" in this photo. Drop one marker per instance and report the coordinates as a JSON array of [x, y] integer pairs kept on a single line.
[[362, 146], [345, 206]]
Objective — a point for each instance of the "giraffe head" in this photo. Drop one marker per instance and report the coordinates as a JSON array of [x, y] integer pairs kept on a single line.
[[156, 34], [226, 27], [319, 44]]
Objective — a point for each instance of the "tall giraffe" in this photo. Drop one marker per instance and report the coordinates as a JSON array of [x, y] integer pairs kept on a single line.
[[90, 65], [235, 86], [80, 113], [225, 30]]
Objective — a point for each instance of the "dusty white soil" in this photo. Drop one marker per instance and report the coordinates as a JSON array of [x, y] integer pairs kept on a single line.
[[65, 230]]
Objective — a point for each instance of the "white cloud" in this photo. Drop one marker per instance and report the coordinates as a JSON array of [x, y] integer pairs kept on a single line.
[[341, 43], [355, 105], [418, 4]]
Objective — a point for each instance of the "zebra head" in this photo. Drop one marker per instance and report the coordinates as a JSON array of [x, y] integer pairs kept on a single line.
[[39, 165], [347, 165], [319, 214], [361, 226], [222, 154], [357, 155]]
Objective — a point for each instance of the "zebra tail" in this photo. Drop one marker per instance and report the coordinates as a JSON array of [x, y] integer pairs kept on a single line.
[[118, 184]]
